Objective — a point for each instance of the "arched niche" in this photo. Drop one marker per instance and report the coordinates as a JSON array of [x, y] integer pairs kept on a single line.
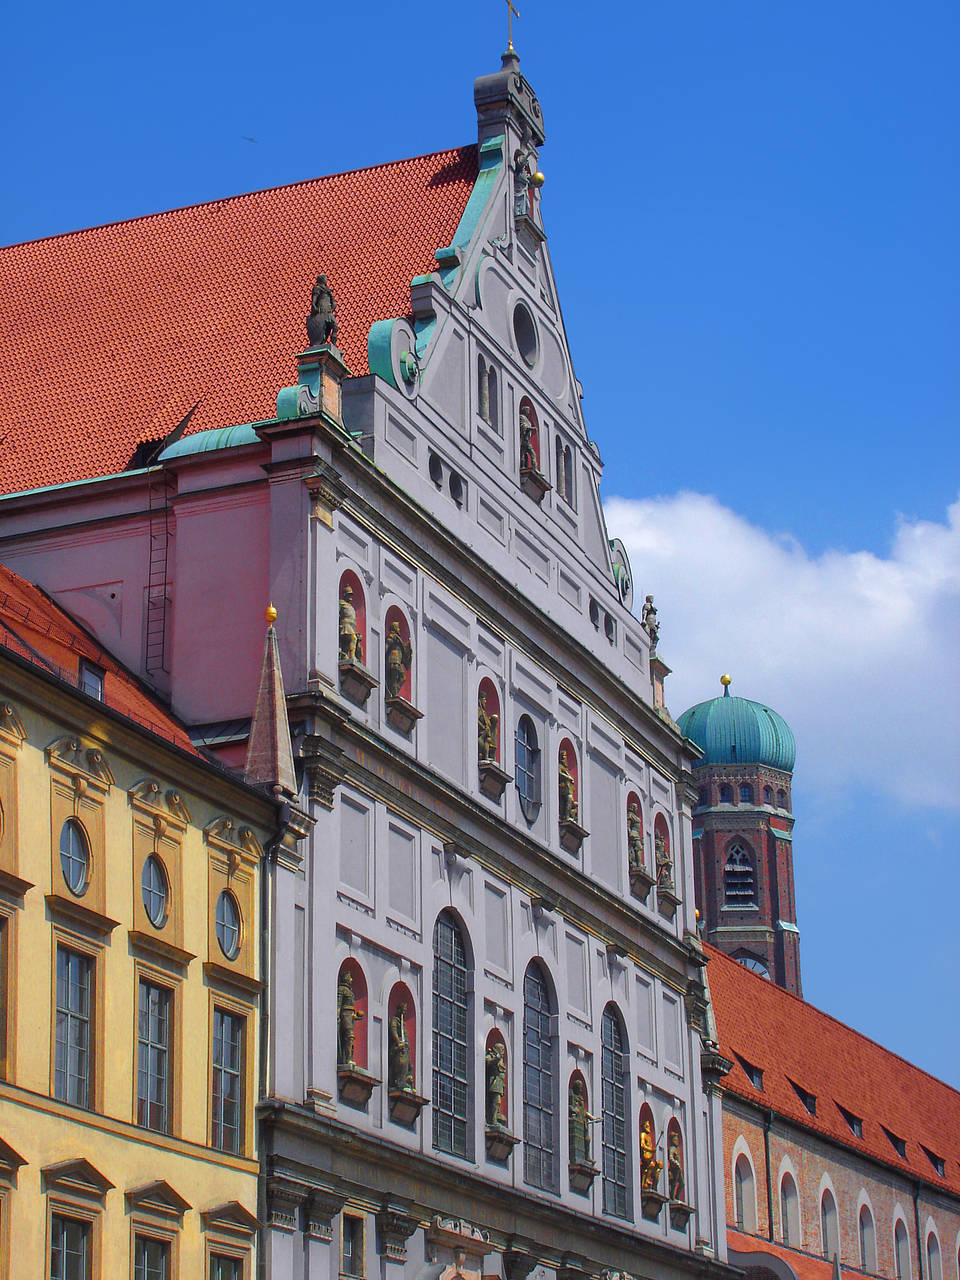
[[353, 619], [529, 428], [583, 1167], [398, 658], [497, 1109], [650, 1164], [401, 996], [352, 1023], [489, 731], [567, 764], [676, 1167], [641, 881]]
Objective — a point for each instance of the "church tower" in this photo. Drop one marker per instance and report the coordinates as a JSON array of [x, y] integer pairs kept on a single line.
[[742, 834]]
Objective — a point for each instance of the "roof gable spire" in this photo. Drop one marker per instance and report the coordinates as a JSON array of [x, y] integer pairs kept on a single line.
[[269, 751]]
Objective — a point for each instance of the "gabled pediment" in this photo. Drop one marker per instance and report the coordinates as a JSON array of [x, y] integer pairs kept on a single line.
[[11, 726], [69, 754], [158, 1197], [77, 1177], [231, 1216], [148, 794], [10, 1160], [232, 838]]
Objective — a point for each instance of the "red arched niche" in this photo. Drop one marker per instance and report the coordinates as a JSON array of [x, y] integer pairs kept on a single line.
[[495, 1038], [649, 1174], [396, 615], [526, 406], [661, 830], [360, 1002], [400, 994], [488, 691], [358, 600], [566, 746], [676, 1178]]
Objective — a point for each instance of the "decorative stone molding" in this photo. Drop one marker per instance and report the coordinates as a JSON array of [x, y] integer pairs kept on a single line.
[[405, 1106], [284, 1197], [652, 1203], [167, 806], [534, 484], [493, 779], [76, 1177], [713, 1067], [10, 1162], [402, 715], [572, 835], [238, 842], [459, 1234], [395, 1226], [160, 1199], [230, 1218], [356, 682], [85, 765], [667, 901], [354, 1085], [327, 490], [320, 1212], [573, 1268], [680, 1214], [500, 1143], [582, 1174], [518, 1263], [11, 726], [641, 882]]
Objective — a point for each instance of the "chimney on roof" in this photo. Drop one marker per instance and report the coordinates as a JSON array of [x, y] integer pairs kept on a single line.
[[270, 751]]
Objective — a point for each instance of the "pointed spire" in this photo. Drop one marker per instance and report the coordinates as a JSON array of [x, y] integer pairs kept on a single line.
[[269, 751]]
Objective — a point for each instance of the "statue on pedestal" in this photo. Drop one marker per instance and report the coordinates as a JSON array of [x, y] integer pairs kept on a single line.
[[347, 1015], [650, 1166], [399, 1064], [675, 1179], [634, 838], [528, 459], [487, 730], [351, 644], [496, 1064], [398, 655], [664, 861], [569, 808], [580, 1120], [322, 322]]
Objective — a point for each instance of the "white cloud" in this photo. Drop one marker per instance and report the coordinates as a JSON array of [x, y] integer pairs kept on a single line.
[[860, 654]]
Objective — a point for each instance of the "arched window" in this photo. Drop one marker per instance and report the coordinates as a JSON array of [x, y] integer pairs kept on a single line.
[[868, 1240], [781, 799], [739, 880], [745, 1204], [613, 1070], [789, 1211], [934, 1266], [768, 795], [539, 1138], [451, 1048], [901, 1249], [726, 794], [528, 768], [746, 793], [829, 1235]]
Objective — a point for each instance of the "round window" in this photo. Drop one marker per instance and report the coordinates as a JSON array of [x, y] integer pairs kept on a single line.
[[228, 925], [74, 856], [153, 886], [525, 334]]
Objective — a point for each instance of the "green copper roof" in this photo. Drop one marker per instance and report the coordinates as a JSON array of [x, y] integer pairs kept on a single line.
[[737, 731]]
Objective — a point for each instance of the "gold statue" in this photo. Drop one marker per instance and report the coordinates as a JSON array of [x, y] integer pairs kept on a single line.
[[634, 838], [400, 1066], [351, 643], [675, 1179], [569, 809], [487, 730], [650, 1166], [398, 655], [347, 1015]]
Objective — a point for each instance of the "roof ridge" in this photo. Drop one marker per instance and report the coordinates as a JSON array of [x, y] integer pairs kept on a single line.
[[240, 195], [782, 991]]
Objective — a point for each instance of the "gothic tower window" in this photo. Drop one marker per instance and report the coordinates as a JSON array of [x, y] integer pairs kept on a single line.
[[901, 1248], [934, 1265], [746, 793], [726, 794], [745, 1204], [613, 1070], [868, 1240], [739, 879], [451, 1048], [789, 1211], [768, 795], [539, 1138]]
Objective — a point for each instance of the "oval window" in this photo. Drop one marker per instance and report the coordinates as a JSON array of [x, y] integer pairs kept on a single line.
[[228, 925], [74, 856], [525, 334], [155, 891]]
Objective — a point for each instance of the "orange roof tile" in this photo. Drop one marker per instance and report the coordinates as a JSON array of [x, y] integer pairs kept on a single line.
[[805, 1266], [34, 628], [111, 334], [791, 1041]]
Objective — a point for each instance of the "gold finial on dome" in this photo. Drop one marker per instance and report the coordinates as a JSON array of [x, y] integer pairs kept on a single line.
[[726, 681], [270, 614]]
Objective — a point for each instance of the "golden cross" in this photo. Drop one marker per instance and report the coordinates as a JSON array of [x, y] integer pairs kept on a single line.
[[511, 14]]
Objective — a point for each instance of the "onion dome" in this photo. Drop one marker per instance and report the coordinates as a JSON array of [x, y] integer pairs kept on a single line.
[[732, 730]]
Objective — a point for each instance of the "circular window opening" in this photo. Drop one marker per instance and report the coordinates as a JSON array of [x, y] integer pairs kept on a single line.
[[436, 470], [525, 334], [228, 925], [74, 856], [155, 891]]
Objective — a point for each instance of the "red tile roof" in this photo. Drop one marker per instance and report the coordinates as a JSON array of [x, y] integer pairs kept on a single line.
[[34, 628], [805, 1266], [794, 1043], [110, 335]]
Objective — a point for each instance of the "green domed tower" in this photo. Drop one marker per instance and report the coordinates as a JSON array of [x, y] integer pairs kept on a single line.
[[742, 833]]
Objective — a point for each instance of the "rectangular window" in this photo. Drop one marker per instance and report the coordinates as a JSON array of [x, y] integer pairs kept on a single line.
[[91, 679], [227, 1091], [351, 1246], [69, 1249], [71, 1074], [225, 1268], [151, 1258], [153, 1057]]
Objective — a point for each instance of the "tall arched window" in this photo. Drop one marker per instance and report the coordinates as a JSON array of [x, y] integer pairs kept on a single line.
[[726, 794], [829, 1235], [745, 1202], [781, 799], [768, 795], [528, 768], [901, 1249], [789, 1211], [451, 1056], [539, 1136], [934, 1266], [868, 1240], [613, 1066], [746, 793], [739, 880]]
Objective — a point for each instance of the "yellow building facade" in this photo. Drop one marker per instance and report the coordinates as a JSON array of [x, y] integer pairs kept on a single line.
[[129, 989]]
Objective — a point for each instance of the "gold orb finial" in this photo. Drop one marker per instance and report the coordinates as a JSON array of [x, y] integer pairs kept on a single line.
[[725, 680], [270, 614], [537, 180]]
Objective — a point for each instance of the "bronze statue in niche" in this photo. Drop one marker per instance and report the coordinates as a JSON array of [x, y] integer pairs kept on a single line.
[[322, 320], [650, 1166], [351, 642], [635, 838], [347, 1015], [675, 1179], [496, 1070], [569, 808], [579, 1120], [399, 1065], [528, 459], [664, 861], [398, 655], [487, 729]]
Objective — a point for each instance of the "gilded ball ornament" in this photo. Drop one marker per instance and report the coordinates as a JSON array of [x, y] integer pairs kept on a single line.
[[537, 180], [725, 680], [270, 614]]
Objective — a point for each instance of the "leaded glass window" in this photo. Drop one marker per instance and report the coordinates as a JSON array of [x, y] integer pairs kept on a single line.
[[450, 1039], [71, 1068], [227, 1093], [528, 768], [153, 1057], [539, 1137], [69, 1249], [613, 1068]]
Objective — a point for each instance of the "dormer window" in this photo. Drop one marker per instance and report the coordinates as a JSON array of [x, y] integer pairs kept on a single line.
[[899, 1144], [91, 679], [937, 1162], [855, 1123], [808, 1099], [753, 1074]]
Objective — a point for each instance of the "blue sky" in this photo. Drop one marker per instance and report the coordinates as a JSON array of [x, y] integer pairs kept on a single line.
[[752, 213]]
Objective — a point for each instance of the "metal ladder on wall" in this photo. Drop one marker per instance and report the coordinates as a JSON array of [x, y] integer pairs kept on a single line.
[[158, 595]]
